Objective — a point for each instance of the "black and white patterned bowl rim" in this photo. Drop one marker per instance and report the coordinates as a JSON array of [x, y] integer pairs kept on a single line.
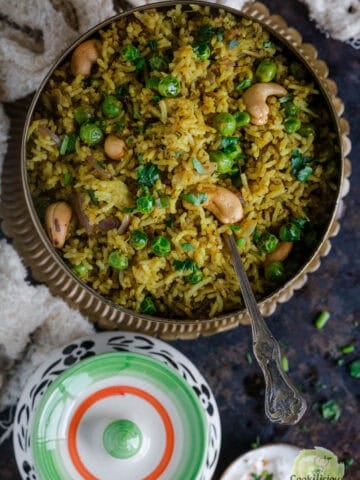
[[105, 342]]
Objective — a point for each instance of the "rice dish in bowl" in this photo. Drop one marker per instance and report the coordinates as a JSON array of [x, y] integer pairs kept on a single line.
[[131, 152]]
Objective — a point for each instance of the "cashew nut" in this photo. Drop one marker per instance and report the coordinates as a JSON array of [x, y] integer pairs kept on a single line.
[[223, 203], [57, 220], [280, 253], [84, 56], [255, 100], [114, 147]]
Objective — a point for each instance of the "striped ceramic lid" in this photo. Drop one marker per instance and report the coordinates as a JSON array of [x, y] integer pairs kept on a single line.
[[119, 415]]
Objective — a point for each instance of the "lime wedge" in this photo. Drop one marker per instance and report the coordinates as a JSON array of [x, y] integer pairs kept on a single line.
[[318, 461]]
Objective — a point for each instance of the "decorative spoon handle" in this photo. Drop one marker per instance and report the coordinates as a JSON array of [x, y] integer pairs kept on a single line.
[[283, 403]]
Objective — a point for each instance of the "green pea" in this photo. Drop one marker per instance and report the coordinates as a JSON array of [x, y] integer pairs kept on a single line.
[[225, 123], [233, 151], [291, 110], [290, 233], [169, 86], [292, 124], [194, 277], [145, 204], [138, 239], [224, 163], [81, 270], [266, 70], [83, 114], [111, 106], [130, 53], [202, 51], [275, 272], [240, 242], [148, 306], [118, 261], [91, 134], [267, 242], [161, 246], [242, 119], [307, 131]]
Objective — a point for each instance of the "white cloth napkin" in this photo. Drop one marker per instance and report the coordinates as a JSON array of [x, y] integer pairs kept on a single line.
[[32, 34]]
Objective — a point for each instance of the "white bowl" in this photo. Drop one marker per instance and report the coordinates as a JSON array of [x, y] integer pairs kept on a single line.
[[61, 419], [276, 458]]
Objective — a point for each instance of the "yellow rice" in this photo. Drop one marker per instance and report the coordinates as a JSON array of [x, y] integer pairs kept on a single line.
[[170, 134]]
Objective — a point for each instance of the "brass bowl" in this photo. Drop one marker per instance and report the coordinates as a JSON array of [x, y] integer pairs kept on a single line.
[[21, 221]]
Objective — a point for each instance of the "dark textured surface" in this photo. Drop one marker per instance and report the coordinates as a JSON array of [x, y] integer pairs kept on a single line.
[[312, 354]]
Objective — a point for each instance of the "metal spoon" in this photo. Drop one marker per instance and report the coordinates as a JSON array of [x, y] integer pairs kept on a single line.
[[283, 403]]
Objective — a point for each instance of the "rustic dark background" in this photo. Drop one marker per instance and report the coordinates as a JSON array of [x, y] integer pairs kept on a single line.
[[313, 354]]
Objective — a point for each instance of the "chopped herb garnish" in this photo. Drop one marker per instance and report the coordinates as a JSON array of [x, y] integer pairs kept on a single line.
[[299, 222], [330, 410], [285, 364], [156, 99], [249, 358], [177, 154], [148, 174], [92, 196], [204, 34], [140, 64], [67, 178], [68, 144], [229, 141], [195, 198], [185, 265], [348, 462], [322, 319], [101, 164], [130, 141], [233, 44], [162, 202], [256, 234], [235, 228], [137, 115], [148, 306], [198, 166], [345, 349], [244, 84], [121, 91], [170, 221], [354, 368], [286, 98], [130, 52], [267, 44], [265, 475], [187, 247], [299, 166], [119, 126], [153, 44], [256, 444], [129, 210], [87, 82], [220, 34]]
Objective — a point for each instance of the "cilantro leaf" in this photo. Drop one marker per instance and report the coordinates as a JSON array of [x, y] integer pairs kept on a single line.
[[244, 84], [148, 174], [228, 141], [204, 34], [187, 247], [198, 166], [299, 167], [185, 265], [195, 198]]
